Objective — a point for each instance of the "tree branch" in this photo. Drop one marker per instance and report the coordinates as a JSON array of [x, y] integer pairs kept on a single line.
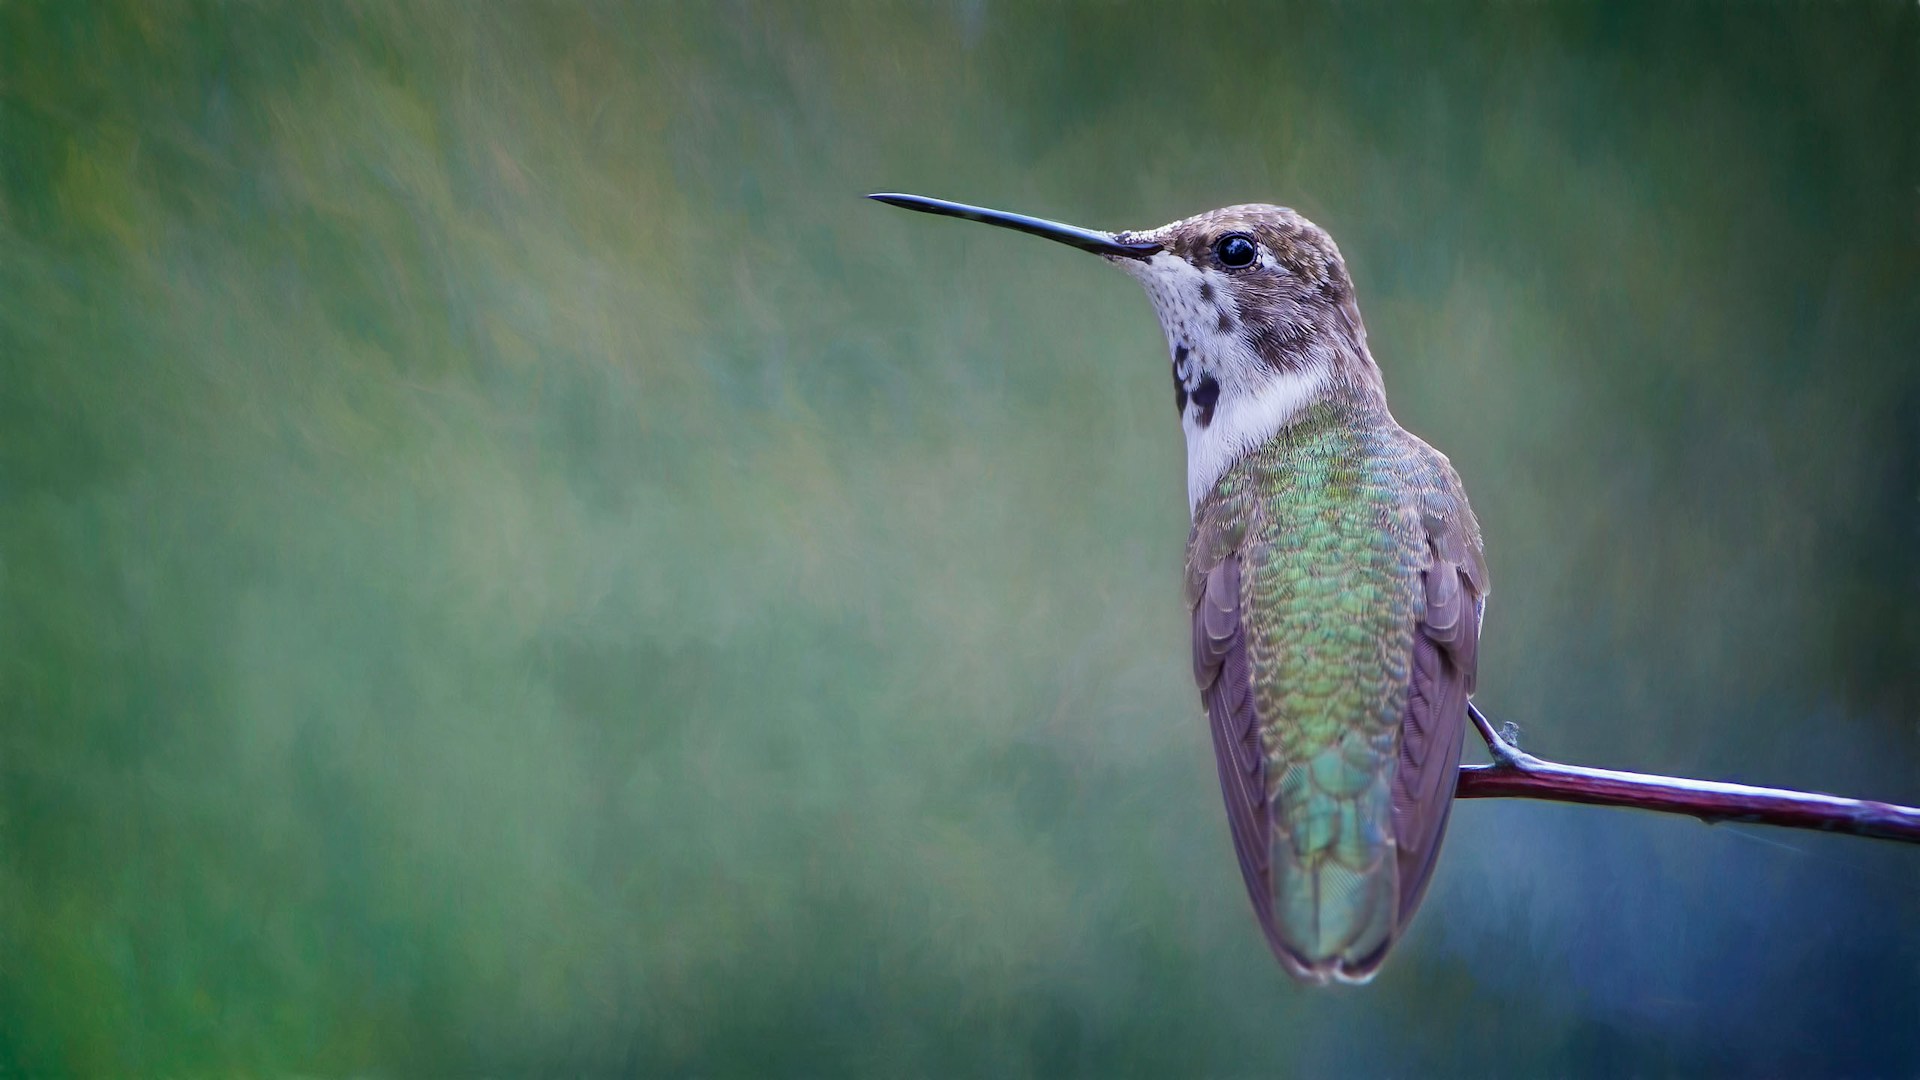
[[1519, 775]]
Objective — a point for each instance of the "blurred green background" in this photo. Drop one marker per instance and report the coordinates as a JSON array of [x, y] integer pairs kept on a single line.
[[509, 564]]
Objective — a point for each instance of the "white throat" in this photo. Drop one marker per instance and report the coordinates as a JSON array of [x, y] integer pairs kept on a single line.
[[1241, 423], [1231, 400]]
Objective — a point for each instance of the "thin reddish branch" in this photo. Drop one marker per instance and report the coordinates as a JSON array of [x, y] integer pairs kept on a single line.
[[1518, 775]]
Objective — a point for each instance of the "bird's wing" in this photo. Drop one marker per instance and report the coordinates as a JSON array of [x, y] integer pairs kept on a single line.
[[1445, 656], [1226, 687]]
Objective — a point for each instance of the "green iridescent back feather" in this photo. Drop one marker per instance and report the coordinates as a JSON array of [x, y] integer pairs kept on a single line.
[[1330, 519]]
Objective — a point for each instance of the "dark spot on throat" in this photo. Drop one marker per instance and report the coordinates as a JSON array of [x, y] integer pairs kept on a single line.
[[1226, 322], [1206, 292], [1179, 388], [1204, 397]]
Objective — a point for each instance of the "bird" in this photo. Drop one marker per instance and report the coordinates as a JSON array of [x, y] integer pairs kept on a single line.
[[1336, 577]]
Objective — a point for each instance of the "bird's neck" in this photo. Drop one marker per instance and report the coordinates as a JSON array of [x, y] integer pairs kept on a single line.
[[1244, 421]]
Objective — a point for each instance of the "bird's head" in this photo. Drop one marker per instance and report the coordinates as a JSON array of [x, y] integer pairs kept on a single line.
[[1258, 310]]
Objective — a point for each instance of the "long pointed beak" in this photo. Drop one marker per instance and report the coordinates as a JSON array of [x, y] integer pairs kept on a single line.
[[1100, 243]]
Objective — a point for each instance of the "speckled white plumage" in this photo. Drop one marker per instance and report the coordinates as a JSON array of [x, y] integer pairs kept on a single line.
[[1256, 398]]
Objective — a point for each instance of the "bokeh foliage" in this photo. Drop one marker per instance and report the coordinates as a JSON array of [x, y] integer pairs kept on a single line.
[[508, 564]]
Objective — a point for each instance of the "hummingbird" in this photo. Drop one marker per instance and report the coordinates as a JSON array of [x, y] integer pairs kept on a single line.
[[1335, 576]]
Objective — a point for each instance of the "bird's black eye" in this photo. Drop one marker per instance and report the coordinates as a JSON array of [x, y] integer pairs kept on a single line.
[[1234, 251]]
